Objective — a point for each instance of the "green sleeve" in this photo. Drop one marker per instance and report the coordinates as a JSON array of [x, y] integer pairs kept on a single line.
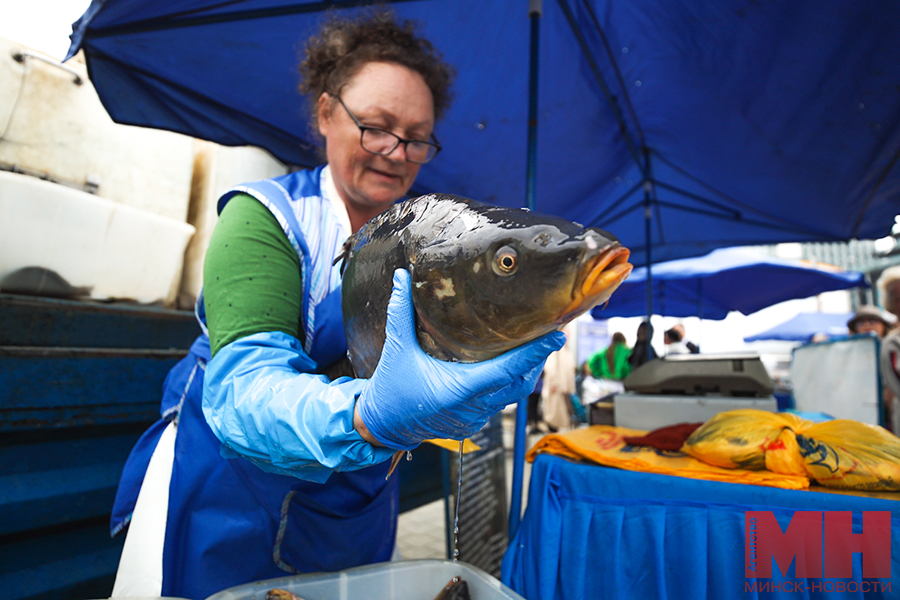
[[594, 364], [623, 368], [251, 275]]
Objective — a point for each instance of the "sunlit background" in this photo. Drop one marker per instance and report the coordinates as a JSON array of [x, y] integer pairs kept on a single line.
[[43, 25]]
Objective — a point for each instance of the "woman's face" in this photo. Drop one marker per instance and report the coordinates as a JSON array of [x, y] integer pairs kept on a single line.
[[386, 96], [870, 325]]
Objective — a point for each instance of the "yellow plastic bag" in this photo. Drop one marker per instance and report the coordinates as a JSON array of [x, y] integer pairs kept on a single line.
[[784, 456], [851, 455], [740, 439], [840, 453]]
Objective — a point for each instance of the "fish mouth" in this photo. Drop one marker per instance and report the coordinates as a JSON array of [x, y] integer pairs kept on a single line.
[[605, 272]]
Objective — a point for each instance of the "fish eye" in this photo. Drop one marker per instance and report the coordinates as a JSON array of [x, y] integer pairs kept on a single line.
[[505, 261]]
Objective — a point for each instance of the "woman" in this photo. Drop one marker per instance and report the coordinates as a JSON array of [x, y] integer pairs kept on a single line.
[[643, 348], [605, 370], [275, 469], [611, 363], [557, 390], [870, 319]]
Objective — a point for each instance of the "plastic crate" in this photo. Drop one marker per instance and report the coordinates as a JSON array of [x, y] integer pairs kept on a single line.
[[401, 580]]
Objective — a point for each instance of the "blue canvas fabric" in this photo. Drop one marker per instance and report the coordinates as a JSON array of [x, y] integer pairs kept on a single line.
[[596, 532], [725, 280], [736, 123]]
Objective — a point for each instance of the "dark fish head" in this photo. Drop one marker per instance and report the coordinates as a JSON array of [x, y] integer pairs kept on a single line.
[[495, 278]]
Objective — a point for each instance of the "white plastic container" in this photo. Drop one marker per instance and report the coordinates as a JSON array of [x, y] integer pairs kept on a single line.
[[61, 129], [118, 251], [401, 580]]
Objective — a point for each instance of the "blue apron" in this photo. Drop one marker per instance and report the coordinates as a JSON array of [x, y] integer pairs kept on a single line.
[[229, 522]]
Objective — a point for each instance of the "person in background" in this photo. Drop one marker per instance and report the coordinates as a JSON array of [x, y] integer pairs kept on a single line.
[[674, 343], [643, 348], [870, 319], [557, 390], [262, 466], [606, 370], [611, 363], [691, 346], [888, 285], [590, 390], [582, 374]]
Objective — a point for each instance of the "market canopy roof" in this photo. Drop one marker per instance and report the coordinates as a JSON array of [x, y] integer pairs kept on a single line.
[[803, 326], [725, 280], [725, 123]]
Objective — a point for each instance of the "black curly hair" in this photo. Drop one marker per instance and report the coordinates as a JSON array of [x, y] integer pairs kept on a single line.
[[344, 46]]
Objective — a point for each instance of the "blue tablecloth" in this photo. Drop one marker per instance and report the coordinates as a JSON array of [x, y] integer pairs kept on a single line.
[[593, 532]]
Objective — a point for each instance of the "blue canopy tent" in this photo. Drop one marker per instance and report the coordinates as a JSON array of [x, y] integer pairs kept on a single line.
[[803, 326], [725, 280], [679, 127]]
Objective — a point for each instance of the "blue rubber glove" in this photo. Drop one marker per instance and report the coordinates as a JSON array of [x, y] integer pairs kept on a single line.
[[413, 397]]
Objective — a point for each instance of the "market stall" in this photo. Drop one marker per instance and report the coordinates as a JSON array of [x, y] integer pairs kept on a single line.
[[591, 531]]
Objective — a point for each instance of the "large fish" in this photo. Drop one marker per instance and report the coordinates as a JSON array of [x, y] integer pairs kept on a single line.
[[485, 279]]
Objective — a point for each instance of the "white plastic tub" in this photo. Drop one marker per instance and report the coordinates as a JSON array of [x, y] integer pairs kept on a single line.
[[401, 580], [115, 250]]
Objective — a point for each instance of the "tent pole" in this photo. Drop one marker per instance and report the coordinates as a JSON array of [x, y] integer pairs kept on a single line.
[[535, 8], [647, 215], [648, 241]]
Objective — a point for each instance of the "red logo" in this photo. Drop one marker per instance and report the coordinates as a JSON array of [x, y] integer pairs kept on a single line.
[[821, 547]]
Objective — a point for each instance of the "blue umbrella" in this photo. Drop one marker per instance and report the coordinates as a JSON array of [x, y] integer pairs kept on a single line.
[[678, 126], [805, 325], [725, 280]]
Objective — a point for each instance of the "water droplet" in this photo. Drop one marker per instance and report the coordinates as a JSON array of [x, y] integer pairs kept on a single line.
[[479, 125], [458, 497], [862, 106], [624, 50], [408, 455], [637, 83]]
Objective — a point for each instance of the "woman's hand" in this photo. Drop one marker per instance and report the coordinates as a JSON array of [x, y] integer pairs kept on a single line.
[[413, 396]]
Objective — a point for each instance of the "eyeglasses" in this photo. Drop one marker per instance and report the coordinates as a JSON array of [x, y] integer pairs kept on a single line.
[[381, 141], [862, 320]]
